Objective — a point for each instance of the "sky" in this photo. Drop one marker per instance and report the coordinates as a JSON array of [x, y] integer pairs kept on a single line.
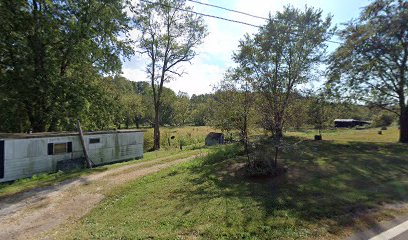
[[206, 70]]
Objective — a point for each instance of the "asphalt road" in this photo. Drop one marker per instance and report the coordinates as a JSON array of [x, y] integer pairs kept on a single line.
[[402, 236], [396, 229]]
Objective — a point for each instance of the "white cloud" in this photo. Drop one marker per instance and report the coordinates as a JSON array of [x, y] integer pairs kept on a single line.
[[134, 74], [215, 53], [200, 78]]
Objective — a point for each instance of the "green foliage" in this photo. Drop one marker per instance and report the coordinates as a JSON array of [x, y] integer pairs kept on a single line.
[[201, 113], [297, 112], [371, 64], [53, 53], [228, 108], [282, 55], [182, 111], [383, 120], [168, 37], [319, 114], [233, 105], [189, 137]]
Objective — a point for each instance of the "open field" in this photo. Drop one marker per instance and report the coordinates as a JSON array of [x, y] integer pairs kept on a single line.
[[188, 136], [347, 135], [332, 189]]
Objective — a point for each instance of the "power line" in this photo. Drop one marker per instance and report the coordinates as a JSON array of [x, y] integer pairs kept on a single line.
[[213, 16], [244, 13], [227, 9], [202, 14]]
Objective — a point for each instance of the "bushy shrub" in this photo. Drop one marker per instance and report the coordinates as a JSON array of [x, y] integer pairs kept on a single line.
[[224, 152], [383, 120], [259, 168]]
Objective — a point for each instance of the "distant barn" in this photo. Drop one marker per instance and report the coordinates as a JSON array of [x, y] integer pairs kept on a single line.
[[214, 138], [349, 123]]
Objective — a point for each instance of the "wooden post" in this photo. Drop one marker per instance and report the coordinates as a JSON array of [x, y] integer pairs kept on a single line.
[[81, 136]]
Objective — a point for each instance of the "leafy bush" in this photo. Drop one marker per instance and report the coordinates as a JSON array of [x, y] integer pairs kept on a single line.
[[224, 152], [258, 168], [383, 120]]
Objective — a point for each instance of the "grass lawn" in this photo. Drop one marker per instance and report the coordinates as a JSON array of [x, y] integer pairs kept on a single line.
[[187, 136], [331, 189], [349, 135], [47, 179]]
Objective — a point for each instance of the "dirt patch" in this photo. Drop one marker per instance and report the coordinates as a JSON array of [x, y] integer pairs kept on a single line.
[[30, 214]]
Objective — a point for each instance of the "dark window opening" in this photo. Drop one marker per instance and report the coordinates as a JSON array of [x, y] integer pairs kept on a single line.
[[94, 140], [59, 148]]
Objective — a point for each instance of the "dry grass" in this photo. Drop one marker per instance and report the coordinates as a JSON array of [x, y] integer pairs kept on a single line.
[[353, 135], [187, 136]]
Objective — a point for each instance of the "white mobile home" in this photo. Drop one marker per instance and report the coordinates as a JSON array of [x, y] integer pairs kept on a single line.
[[23, 155]]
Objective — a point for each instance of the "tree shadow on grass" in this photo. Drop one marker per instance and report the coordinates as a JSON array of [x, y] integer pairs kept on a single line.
[[327, 188]]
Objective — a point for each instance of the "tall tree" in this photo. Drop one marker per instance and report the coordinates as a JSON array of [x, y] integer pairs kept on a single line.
[[50, 48], [233, 106], [372, 63], [281, 56], [318, 110], [168, 37], [201, 112], [181, 109]]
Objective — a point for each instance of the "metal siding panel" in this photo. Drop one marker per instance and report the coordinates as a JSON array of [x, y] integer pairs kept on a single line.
[[1, 159], [113, 147]]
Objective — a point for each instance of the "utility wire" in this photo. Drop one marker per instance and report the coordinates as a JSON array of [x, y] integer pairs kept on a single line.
[[213, 16], [227, 9], [244, 13], [202, 14]]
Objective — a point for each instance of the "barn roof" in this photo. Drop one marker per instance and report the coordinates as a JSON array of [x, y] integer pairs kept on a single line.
[[344, 120], [215, 135], [351, 120]]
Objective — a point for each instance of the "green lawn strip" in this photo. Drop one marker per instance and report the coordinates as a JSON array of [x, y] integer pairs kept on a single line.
[[346, 135], [182, 155], [174, 136], [328, 186], [47, 179]]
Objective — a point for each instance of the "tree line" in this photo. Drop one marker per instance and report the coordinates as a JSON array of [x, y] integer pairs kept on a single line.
[[61, 61]]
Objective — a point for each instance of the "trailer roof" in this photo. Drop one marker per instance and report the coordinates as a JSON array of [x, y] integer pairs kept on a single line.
[[61, 134]]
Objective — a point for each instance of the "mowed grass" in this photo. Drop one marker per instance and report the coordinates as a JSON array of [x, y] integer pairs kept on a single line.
[[349, 135], [172, 137], [47, 179], [331, 189]]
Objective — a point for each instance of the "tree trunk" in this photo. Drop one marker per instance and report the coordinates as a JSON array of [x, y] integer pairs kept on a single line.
[[36, 122], [38, 127], [127, 122], [404, 125], [53, 125], [276, 157], [137, 121], [278, 133], [156, 133]]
